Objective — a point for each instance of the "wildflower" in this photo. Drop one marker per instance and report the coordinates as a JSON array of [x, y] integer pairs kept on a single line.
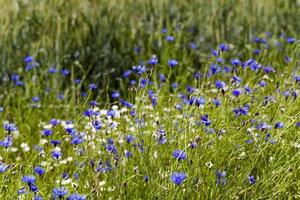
[[36, 99], [115, 95], [217, 102], [291, 40], [153, 60], [56, 154], [221, 177], [146, 179], [59, 192], [6, 142], [224, 47], [140, 69], [127, 73], [36, 197], [30, 180], [10, 127], [52, 70], [46, 132], [76, 196], [65, 72], [170, 38], [179, 154], [251, 180], [298, 124], [235, 62], [214, 69], [172, 63], [262, 83], [39, 170], [237, 92], [205, 120], [3, 167], [236, 79], [92, 86], [130, 138], [279, 125], [220, 84], [28, 59], [178, 177]]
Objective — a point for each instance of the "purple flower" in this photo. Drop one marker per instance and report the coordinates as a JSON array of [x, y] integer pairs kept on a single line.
[[93, 86], [179, 154], [251, 180], [76, 196], [3, 167], [237, 92], [291, 40], [178, 177], [29, 179], [220, 84], [10, 127], [279, 125], [59, 192], [39, 170], [172, 63]]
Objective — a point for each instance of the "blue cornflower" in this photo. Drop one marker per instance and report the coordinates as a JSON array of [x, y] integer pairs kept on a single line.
[[170, 38], [262, 83], [190, 89], [128, 154], [39, 170], [33, 188], [77, 81], [236, 79], [146, 179], [237, 92], [268, 69], [291, 40], [111, 113], [214, 69], [144, 82], [30, 180], [93, 103], [28, 59], [217, 102], [140, 69], [224, 47], [179, 154], [3, 167], [220, 84], [1, 109], [251, 180], [36, 99], [126, 103], [97, 125], [279, 125], [197, 75], [130, 138], [215, 53], [65, 72], [6, 142], [52, 70], [193, 45], [10, 127], [76, 140], [56, 154], [54, 122], [22, 191], [46, 132], [55, 142], [221, 177], [235, 62], [59, 192], [205, 120], [36, 197], [172, 63], [92, 86], [76, 196], [298, 124], [127, 73], [227, 69], [153, 60], [15, 77], [178, 177], [115, 94]]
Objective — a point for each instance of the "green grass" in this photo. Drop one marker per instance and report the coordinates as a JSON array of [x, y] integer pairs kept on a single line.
[[95, 41]]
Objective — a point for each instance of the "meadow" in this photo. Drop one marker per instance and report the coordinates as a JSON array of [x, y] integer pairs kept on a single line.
[[147, 99]]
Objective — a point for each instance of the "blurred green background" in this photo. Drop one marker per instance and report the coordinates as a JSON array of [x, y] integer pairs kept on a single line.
[[104, 37]]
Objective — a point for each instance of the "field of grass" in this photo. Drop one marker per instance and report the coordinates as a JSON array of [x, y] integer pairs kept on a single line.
[[147, 99]]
